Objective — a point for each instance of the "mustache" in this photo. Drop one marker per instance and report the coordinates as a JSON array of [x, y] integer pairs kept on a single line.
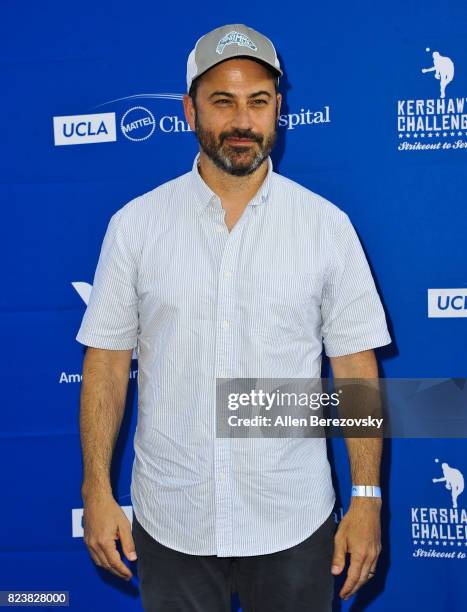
[[240, 134]]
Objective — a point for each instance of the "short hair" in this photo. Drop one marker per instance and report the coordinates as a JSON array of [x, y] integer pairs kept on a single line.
[[195, 83]]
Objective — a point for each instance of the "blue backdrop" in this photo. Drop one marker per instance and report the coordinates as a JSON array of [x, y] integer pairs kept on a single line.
[[362, 125]]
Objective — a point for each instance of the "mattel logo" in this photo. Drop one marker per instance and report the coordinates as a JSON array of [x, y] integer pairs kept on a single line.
[[447, 302], [84, 129]]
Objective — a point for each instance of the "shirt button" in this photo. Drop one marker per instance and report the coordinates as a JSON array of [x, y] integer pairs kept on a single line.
[[228, 274], [225, 324], [223, 374], [219, 228], [221, 475]]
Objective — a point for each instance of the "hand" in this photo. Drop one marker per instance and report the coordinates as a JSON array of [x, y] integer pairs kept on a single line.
[[359, 534], [104, 523]]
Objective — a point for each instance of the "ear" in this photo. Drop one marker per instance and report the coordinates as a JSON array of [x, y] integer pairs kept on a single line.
[[189, 111], [279, 103]]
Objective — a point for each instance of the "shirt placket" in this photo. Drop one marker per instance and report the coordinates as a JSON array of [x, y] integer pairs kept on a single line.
[[228, 250]]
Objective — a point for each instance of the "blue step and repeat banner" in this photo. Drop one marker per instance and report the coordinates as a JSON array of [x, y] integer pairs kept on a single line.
[[374, 119]]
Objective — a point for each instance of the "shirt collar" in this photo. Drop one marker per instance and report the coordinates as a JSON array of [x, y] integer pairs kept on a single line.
[[204, 194]]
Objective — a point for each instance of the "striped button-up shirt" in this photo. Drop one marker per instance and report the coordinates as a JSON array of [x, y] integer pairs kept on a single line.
[[199, 303]]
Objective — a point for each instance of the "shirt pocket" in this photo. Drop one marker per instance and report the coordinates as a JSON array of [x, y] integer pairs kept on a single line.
[[282, 306]]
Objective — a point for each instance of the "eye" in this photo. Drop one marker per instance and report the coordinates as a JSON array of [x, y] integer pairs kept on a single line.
[[260, 101], [222, 101]]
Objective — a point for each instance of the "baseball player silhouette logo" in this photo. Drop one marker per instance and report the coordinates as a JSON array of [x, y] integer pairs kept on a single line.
[[443, 67], [454, 481]]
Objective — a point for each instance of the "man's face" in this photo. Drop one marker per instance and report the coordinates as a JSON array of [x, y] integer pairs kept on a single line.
[[235, 115]]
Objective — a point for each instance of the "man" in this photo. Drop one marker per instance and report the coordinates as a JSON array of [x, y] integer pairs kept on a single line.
[[228, 271]]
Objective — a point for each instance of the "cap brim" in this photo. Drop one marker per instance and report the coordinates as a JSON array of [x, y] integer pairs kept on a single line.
[[277, 71]]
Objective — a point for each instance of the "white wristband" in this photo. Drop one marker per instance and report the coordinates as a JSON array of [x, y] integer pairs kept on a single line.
[[366, 491]]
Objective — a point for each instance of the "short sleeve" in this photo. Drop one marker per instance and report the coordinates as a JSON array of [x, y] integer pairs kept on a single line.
[[353, 317], [111, 317]]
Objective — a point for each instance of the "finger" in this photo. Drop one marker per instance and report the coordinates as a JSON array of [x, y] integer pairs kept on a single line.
[[115, 568], [362, 579], [368, 566], [114, 560], [374, 563], [338, 559], [353, 575], [126, 540], [95, 558], [100, 559], [96, 555], [372, 569]]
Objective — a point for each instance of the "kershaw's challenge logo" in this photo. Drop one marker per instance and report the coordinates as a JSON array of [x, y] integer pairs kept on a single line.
[[444, 529], [428, 121]]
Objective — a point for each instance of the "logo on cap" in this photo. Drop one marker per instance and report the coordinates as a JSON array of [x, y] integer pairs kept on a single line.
[[235, 38]]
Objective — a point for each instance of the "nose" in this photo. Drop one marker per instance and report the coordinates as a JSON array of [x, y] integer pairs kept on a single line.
[[242, 118]]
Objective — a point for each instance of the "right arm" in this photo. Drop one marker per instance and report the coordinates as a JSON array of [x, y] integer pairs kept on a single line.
[[102, 405]]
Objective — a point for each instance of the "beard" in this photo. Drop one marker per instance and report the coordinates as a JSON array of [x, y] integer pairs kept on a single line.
[[236, 160]]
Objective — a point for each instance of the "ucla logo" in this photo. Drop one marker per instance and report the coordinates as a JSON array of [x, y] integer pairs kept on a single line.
[[235, 38], [447, 302], [84, 129], [456, 302]]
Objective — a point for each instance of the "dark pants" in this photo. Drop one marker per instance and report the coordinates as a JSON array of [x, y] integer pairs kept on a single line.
[[291, 580]]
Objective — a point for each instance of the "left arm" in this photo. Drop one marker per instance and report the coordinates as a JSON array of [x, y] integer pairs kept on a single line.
[[359, 532]]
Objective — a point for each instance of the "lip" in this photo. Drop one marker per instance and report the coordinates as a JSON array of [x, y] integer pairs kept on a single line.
[[234, 140]]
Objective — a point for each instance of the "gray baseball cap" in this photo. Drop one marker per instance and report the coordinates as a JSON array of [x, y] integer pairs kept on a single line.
[[227, 42]]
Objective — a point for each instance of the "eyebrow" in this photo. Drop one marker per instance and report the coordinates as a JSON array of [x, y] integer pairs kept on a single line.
[[230, 95]]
